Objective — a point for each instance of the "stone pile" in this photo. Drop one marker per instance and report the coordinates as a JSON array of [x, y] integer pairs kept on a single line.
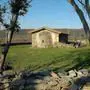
[[45, 80], [63, 45]]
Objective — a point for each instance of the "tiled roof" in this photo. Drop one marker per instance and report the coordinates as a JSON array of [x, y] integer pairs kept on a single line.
[[49, 29]]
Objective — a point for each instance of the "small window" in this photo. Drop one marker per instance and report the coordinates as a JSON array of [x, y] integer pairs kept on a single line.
[[42, 41]]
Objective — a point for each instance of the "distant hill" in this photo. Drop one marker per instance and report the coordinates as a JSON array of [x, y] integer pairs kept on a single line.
[[21, 36], [74, 34], [25, 36]]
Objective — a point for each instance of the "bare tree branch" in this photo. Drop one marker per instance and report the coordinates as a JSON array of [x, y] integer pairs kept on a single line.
[[82, 18], [81, 2]]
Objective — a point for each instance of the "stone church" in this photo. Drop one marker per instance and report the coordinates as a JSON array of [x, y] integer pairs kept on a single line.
[[45, 37]]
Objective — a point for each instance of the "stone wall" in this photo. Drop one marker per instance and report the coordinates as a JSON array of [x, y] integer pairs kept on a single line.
[[46, 80], [44, 39]]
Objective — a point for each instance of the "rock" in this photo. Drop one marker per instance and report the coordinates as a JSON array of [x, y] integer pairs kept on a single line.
[[72, 73], [61, 74], [29, 81], [74, 87], [37, 81], [6, 84], [52, 82], [18, 83], [79, 74], [1, 86], [65, 89], [33, 81], [40, 86], [84, 72], [21, 87], [86, 87], [43, 73], [46, 78], [65, 82], [8, 74], [54, 75]]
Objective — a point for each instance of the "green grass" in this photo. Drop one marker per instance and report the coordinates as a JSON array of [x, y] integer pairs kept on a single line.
[[26, 57]]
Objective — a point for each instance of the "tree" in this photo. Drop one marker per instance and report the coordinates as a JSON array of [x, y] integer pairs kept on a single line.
[[81, 13], [16, 9]]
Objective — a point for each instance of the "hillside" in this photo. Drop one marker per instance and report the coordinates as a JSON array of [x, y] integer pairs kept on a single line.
[[18, 37], [74, 34]]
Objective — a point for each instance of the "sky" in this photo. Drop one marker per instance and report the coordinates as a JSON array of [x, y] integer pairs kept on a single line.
[[52, 14]]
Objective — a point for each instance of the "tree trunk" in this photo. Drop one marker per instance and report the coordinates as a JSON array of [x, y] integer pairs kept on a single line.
[[5, 51], [87, 7], [7, 46], [82, 18]]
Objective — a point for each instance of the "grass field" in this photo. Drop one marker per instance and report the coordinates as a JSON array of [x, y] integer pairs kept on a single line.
[[26, 57]]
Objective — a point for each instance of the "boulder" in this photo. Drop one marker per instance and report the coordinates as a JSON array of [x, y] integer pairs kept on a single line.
[[72, 73], [74, 87], [84, 72], [86, 86]]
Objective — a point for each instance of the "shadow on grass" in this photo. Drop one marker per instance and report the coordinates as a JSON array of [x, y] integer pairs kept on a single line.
[[76, 59], [81, 59]]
